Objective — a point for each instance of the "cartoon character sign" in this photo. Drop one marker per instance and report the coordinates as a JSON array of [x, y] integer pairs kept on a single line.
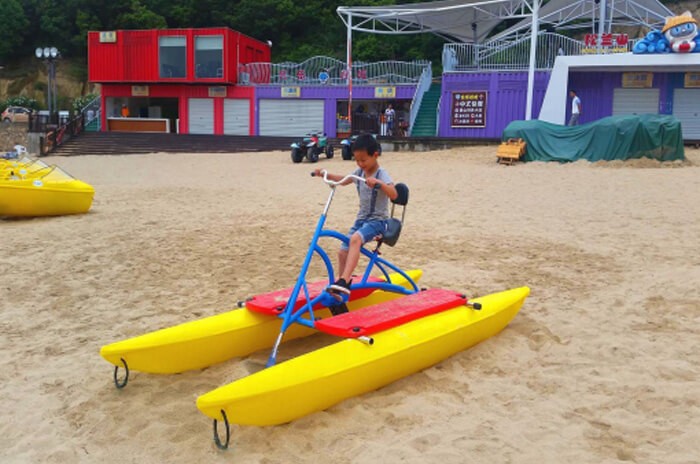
[[679, 35], [681, 31]]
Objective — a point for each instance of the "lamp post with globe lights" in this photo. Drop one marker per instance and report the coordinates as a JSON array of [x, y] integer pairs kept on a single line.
[[50, 55]]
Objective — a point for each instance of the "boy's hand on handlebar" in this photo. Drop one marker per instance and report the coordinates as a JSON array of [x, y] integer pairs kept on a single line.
[[373, 182], [317, 173]]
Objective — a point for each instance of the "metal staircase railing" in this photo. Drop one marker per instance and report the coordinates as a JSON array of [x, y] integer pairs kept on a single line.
[[510, 54], [423, 86]]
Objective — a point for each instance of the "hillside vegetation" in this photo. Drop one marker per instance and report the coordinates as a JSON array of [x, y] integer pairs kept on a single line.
[[298, 30]]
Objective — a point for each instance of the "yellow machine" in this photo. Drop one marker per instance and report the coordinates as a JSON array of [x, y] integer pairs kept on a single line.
[[35, 189], [324, 377]]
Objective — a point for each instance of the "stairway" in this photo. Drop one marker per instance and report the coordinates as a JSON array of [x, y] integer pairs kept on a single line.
[[93, 126], [425, 124], [117, 143]]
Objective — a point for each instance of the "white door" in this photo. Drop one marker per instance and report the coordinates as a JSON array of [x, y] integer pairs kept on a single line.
[[686, 108], [635, 101], [236, 116], [201, 114], [292, 118]]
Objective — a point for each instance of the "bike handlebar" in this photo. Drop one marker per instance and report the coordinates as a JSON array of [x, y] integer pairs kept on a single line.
[[335, 183]]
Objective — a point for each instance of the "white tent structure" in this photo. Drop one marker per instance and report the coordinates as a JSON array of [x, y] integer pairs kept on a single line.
[[474, 20], [565, 14]]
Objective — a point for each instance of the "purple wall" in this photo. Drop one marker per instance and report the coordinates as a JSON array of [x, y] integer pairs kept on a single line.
[[506, 100], [596, 90], [331, 95]]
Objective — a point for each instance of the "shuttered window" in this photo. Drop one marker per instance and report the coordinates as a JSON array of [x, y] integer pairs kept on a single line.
[[686, 108], [292, 118], [201, 115], [236, 116], [635, 101]]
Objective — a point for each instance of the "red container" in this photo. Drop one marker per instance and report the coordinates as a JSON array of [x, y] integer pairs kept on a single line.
[[134, 56]]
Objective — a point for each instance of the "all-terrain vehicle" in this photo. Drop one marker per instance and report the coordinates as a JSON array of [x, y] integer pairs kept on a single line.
[[346, 151], [311, 146]]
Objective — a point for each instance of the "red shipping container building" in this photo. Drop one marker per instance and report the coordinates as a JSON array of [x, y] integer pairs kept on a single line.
[[185, 79]]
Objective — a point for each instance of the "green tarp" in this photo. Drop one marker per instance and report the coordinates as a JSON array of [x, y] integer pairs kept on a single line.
[[612, 138]]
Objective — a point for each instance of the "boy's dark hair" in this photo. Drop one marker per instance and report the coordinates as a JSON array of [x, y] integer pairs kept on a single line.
[[366, 142]]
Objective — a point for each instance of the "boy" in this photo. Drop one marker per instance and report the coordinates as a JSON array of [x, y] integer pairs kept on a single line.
[[375, 193]]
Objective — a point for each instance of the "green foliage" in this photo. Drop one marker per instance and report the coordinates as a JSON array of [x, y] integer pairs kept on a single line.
[[14, 25], [81, 102], [140, 17], [19, 101]]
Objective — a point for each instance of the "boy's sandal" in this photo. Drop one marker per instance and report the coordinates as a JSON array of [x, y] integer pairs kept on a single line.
[[336, 288]]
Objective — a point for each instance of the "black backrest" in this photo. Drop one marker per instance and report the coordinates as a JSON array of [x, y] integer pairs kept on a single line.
[[402, 199]]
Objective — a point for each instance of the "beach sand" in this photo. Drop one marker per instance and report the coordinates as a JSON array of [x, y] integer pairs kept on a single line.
[[601, 365]]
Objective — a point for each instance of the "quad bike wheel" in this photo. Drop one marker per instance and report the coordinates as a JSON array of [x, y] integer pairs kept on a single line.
[[297, 155], [346, 153], [311, 154], [329, 151]]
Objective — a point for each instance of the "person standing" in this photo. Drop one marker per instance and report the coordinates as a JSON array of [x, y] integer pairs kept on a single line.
[[575, 108], [389, 115]]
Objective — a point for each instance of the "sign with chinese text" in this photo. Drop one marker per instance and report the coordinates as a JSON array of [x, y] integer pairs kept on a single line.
[[291, 92], [385, 92], [692, 80], [609, 43], [637, 80], [468, 109], [108, 37], [217, 91], [139, 90]]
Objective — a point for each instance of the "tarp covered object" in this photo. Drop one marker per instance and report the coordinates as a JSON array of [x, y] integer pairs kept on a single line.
[[612, 138]]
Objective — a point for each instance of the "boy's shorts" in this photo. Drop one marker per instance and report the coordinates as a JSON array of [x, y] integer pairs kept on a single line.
[[367, 230]]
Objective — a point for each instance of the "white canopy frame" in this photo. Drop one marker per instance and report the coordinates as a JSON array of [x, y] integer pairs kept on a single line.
[[445, 18], [587, 14], [473, 20]]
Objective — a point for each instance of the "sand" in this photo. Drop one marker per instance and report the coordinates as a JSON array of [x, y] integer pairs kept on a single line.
[[600, 366]]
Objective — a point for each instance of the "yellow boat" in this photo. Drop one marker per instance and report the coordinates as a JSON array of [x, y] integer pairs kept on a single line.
[[20, 169], [44, 191], [324, 377], [208, 341]]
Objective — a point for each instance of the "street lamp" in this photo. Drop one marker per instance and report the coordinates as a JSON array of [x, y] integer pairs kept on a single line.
[[49, 55]]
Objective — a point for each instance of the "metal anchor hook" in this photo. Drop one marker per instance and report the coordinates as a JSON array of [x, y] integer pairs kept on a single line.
[[219, 444], [122, 384]]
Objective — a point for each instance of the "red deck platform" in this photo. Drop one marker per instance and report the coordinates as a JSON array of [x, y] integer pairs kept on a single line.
[[274, 302], [382, 316]]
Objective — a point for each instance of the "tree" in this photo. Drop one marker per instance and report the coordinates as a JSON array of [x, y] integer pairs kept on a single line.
[[14, 28], [140, 17]]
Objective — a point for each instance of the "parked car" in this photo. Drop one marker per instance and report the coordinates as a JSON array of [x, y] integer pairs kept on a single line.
[[15, 114]]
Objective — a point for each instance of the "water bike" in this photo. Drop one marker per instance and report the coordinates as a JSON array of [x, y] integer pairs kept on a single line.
[[390, 328]]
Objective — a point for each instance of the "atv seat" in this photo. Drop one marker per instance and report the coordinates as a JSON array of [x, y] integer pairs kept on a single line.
[[393, 231]]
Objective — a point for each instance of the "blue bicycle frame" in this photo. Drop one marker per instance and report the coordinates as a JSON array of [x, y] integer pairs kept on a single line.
[[291, 316]]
